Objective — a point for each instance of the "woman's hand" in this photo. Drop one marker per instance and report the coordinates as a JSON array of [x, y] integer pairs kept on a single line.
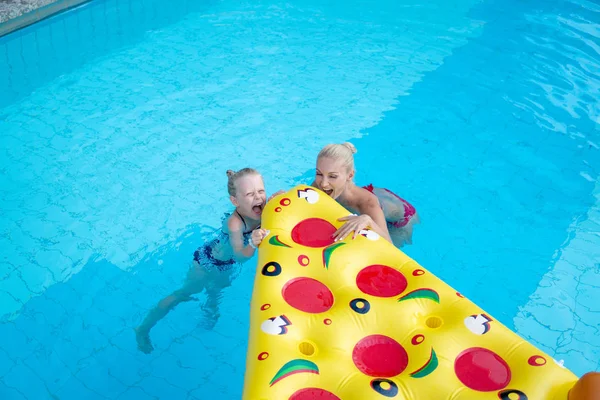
[[354, 223], [257, 237], [277, 193]]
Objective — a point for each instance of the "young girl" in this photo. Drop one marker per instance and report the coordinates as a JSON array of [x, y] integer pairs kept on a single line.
[[213, 265], [383, 211]]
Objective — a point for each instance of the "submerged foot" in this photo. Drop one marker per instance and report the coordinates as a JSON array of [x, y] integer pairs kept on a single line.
[[144, 343]]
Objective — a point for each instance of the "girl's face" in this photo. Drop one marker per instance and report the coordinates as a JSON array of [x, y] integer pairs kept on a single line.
[[332, 176], [250, 197]]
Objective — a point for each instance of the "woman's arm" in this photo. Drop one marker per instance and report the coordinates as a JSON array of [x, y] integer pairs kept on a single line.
[[372, 208], [371, 215], [277, 193]]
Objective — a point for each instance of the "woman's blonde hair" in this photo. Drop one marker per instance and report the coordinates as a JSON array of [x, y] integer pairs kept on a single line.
[[233, 176], [343, 152]]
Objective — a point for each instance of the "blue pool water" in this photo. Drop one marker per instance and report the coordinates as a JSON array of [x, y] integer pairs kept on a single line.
[[118, 121]]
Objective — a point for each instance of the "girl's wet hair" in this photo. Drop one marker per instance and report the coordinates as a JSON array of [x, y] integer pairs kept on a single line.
[[233, 176], [343, 152]]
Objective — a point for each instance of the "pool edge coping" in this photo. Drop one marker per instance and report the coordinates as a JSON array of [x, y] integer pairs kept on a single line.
[[37, 15]]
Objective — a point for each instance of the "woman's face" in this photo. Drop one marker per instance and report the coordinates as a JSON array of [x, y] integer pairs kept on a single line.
[[332, 176]]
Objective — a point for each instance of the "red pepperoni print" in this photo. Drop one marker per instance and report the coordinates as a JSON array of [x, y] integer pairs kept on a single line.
[[313, 232], [308, 295], [303, 260], [536, 361], [313, 394], [381, 281], [417, 339], [482, 370], [379, 356]]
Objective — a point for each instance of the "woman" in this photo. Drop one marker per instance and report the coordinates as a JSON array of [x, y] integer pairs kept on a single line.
[[384, 212]]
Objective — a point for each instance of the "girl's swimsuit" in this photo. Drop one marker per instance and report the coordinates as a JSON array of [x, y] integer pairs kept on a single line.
[[203, 255]]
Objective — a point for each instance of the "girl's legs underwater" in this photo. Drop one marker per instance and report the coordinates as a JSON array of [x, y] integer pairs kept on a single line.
[[194, 283], [198, 279], [218, 281]]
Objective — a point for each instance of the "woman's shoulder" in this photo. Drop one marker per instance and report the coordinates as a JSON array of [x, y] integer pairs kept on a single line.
[[364, 198]]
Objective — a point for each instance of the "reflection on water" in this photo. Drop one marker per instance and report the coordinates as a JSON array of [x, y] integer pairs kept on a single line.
[[563, 59], [561, 316], [61, 44]]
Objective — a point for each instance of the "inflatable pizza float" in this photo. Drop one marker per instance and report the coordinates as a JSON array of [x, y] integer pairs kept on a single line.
[[359, 319]]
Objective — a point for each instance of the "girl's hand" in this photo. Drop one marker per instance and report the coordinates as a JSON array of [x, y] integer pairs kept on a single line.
[[257, 237], [354, 223]]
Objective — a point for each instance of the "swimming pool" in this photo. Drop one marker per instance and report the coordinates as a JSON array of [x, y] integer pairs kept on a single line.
[[119, 120]]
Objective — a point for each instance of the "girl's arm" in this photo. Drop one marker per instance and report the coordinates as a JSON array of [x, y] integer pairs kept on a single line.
[[236, 240]]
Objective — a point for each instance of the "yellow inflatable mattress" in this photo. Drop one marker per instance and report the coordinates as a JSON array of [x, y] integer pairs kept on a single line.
[[359, 319]]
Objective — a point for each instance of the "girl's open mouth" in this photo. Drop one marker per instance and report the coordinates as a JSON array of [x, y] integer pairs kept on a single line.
[[258, 208]]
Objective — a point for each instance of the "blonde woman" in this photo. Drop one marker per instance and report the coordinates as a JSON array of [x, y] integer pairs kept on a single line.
[[381, 210]]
